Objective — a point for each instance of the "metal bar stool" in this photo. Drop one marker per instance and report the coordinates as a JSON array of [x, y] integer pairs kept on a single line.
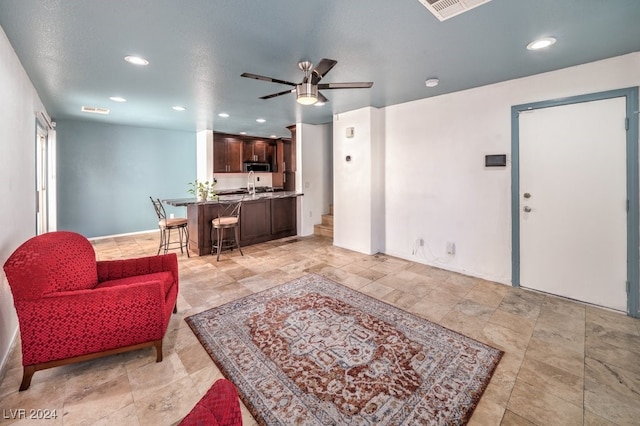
[[166, 225], [228, 218]]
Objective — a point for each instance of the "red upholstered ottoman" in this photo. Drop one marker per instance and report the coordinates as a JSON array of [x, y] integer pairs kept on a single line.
[[220, 406]]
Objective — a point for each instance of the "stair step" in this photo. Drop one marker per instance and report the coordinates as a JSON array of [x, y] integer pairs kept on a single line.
[[323, 231], [327, 220]]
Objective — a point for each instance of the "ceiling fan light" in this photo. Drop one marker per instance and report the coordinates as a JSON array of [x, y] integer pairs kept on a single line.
[[306, 93]]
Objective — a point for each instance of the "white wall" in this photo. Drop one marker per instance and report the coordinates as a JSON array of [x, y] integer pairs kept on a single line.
[[19, 105], [314, 169], [437, 187], [204, 155], [359, 183]]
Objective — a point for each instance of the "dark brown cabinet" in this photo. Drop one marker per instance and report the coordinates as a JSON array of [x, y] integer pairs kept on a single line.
[[255, 220], [227, 154], [261, 219], [277, 178], [289, 161], [258, 151], [283, 216]]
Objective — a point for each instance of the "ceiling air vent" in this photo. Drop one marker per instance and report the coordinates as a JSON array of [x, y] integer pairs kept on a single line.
[[445, 9], [95, 110]]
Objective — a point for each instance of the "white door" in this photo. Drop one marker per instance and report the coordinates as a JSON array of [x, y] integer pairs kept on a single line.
[[573, 217]]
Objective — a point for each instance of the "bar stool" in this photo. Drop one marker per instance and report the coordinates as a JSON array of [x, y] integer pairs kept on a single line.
[[228, 218], [166, 225]]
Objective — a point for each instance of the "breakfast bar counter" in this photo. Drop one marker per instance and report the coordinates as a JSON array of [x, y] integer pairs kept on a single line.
[[263, 217]]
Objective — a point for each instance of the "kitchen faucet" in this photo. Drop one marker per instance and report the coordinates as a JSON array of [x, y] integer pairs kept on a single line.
[[251, 183]]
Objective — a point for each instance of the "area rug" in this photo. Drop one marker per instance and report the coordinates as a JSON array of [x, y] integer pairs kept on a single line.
[[314, 352]]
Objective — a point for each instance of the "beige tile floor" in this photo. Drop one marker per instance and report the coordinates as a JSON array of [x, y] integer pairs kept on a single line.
[[565, 363]]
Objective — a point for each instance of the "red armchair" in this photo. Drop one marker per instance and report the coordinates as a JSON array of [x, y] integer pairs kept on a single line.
[[72, 308], [218, 407]]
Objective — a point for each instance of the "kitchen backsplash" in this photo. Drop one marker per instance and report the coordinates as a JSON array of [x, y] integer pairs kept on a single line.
[[239, 180]]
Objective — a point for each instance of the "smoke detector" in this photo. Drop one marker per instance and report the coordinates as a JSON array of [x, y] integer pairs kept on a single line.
[[445, 9]]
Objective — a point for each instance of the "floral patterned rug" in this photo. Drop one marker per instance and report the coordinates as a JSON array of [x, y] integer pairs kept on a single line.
[[314, 352]]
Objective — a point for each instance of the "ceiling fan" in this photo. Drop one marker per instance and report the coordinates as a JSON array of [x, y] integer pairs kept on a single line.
[[307, 92]]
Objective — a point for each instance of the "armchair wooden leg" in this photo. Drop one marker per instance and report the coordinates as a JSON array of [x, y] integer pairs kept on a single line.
[[175, 308], [26, 377], [158, 345]]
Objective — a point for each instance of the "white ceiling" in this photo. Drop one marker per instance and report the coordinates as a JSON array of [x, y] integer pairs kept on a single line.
[[73, 52]]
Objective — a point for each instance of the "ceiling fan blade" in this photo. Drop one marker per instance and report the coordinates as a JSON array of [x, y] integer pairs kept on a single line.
[[358, 85], [263, 78], [277, 94], [321, 98], [322, 69]]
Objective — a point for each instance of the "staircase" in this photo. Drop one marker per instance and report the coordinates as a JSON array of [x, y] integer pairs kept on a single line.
[[325, 229]]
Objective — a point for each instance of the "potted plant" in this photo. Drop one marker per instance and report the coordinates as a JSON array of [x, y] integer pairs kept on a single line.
[[202, 190]]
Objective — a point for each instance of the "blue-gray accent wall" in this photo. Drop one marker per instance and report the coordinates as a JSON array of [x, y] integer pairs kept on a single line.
[[106, 173]]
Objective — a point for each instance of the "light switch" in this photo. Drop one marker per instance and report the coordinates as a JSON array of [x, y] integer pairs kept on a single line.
[[350, 131]]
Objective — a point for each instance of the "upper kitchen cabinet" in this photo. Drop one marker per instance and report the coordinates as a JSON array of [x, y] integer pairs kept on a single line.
[[289, 161], [227, 154], [259, 151], [290, 151]]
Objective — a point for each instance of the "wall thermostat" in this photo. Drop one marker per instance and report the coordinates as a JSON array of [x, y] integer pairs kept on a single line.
[[495, 160], [350, 131]]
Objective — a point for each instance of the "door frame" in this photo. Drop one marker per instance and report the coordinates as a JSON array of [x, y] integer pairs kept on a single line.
[[633, 226], [42, 179]]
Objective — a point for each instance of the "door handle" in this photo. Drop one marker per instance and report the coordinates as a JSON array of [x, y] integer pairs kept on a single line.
[[527, 209]]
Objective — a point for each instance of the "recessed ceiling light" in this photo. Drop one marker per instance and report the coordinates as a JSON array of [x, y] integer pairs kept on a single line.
[[117, 99], [273, 136], [431, 82], [243, 133], [541, 43], [178, 108], [223, 115], [261, 120], [136, 60]]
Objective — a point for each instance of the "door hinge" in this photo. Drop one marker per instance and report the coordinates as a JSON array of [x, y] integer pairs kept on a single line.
[[626, 123], [627, 206], [628, 287]]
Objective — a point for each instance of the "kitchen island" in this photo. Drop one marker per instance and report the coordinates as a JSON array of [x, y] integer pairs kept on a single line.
[[263, 217]]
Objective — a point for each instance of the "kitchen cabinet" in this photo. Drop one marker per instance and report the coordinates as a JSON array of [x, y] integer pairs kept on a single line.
[[255, 219], [277, 177], [285, 175], [290, 151], [289, 161], [227, 154], [258, 151], [261, 219], [283, 216]]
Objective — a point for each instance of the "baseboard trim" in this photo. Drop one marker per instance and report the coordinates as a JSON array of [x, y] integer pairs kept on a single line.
[[4, 362], [122, 235]]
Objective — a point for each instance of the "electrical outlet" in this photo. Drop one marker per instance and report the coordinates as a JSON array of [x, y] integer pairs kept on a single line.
[[451, 248]]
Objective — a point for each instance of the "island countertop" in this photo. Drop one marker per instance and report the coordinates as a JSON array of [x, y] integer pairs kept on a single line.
[[181, 202]]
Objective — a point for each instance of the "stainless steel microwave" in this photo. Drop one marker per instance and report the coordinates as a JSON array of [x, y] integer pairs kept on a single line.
[[256, 167]]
